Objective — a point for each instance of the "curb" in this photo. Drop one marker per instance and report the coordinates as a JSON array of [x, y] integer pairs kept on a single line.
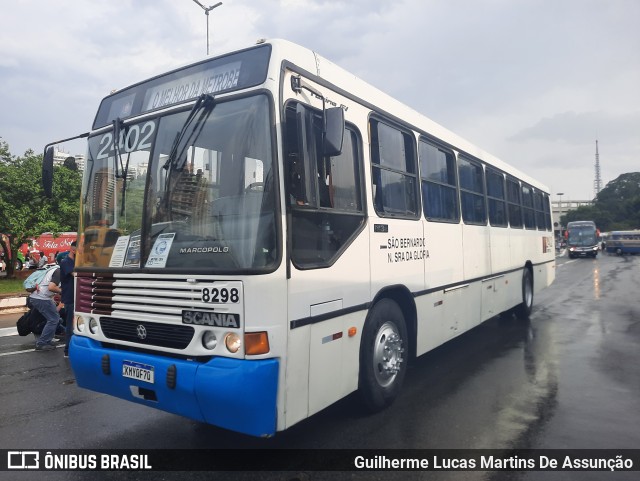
[[11, 303]]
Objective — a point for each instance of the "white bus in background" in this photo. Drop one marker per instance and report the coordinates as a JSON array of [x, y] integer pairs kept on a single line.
[[291, 235]]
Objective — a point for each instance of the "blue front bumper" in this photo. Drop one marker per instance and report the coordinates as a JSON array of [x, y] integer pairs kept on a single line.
[[234, 394]]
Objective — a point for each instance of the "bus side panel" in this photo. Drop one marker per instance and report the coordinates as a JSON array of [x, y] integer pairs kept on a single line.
[[397, 254], [296, 391], [491, 293], [316, 298], [500, 249], [438, 315], [477, 263], [476, 251], [518, 250], [334, 360], [444, 266], [512, 286], [433, 324], [544, 275], [498, 295], [441, 317]]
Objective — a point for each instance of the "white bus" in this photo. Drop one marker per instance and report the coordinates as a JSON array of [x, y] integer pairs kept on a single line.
[[268, 234]]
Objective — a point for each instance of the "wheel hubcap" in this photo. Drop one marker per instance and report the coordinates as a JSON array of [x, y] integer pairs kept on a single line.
[[387, 354]]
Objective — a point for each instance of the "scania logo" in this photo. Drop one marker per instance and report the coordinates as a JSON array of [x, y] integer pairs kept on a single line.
[[142, 332]]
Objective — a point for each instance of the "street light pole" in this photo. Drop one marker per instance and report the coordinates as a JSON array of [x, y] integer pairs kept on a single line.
[[206, 12], [560, 194]]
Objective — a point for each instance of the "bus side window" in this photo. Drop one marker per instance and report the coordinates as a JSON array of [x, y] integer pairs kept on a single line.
[[323, 193], [438, 177], [394, 172]]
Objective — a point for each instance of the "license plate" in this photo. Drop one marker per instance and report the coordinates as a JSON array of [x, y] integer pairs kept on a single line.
[[138, 371]]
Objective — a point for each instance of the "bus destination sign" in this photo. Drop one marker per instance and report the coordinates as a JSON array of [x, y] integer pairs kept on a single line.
[[238, 70], [208, 81]]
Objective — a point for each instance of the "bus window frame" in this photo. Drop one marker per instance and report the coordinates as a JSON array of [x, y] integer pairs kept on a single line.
[[476, 163], [405, 132], [489, 170], [424, 180]]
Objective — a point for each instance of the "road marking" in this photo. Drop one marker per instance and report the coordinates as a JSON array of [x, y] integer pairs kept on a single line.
[[23, 351], [565, 263], [8, 331]]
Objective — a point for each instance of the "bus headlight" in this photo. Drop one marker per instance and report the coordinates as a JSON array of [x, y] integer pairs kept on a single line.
[[80, 324], [209, 340], [233, 342], [93, 325]]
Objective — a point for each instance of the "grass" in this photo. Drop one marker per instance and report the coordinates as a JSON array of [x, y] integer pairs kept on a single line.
[[11, 286]]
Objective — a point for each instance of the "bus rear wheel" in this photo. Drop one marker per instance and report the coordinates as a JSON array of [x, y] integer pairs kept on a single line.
[[383, 355], [523, 310]]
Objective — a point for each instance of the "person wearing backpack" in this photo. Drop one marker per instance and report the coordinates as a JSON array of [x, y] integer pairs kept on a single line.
[[41, 299]]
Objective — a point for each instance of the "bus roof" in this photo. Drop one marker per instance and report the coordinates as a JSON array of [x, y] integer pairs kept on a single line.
[[362, 92], [288, 54]]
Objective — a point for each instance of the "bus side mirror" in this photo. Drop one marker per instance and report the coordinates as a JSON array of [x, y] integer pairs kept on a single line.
[[47, 172], [334, 131]]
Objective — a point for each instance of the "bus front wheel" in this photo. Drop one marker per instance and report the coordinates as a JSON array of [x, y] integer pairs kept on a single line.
[[383, 355], [523, 310]]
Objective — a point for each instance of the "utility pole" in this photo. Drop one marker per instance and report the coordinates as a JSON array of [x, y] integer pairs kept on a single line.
[[206, 12]]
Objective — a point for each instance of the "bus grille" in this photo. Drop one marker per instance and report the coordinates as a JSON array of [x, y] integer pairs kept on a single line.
[[148, 333], [129, 303], [140, 297]]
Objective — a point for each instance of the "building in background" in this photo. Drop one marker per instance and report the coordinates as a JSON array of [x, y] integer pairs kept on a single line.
[[59, 156]]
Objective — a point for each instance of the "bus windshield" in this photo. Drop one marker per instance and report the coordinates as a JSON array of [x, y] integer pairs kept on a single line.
[[187, 190], [582, 236]]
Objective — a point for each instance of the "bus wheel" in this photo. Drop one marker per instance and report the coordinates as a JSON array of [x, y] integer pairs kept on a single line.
[[523, 310], [383, 355], [619, 251]]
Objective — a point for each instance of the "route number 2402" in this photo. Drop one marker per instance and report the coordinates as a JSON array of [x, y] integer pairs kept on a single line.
[[134, 137]]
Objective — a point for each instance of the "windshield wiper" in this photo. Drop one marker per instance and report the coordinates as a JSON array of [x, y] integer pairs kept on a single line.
[[204, 105], [118, 126]]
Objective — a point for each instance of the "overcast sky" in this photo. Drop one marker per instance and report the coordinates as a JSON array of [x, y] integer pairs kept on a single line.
[[534, 82]]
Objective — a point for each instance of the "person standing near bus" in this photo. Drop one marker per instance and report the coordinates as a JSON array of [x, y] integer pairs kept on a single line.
[[67, 264], [42, 300]]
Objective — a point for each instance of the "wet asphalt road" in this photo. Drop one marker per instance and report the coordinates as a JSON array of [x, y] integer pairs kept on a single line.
[[568, 378]]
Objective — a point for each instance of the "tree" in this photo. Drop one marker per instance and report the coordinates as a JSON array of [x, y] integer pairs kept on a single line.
[[617, 206], [24, 210]]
